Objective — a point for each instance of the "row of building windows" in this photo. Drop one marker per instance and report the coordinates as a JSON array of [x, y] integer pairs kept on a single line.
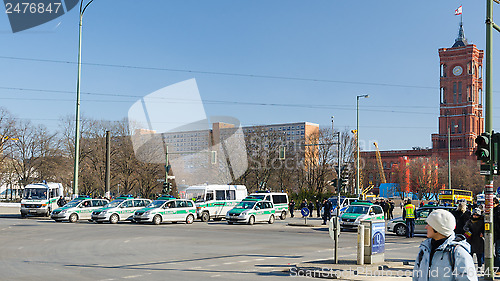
[[471, 94]]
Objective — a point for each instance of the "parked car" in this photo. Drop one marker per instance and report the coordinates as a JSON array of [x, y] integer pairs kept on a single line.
[[398, 225], [251, 210], [360, 211], [78, 209], [122, 208], [167, 209]]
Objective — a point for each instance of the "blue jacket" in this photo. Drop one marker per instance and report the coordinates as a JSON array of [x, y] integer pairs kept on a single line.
[[451, 261]]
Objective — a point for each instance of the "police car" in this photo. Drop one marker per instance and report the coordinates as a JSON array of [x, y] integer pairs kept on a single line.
[[360, 211], [252, 210], [122, 208], [167, 209], [78, 209], [398, 225]]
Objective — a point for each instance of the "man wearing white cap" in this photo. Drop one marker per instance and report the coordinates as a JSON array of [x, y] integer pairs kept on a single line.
[[443, 256]]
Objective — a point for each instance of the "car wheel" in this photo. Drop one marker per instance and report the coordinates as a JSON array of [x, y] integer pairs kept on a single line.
[[48, 213], [251, 220], [190, 219], [73, 218], [271, 219], [205, 216], [114, 218], [400, 230], [283, 215], [157, 220]]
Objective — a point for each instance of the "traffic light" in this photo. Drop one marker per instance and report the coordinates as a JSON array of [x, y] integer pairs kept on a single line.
[[344, 180], [166, 187], [483, 151]]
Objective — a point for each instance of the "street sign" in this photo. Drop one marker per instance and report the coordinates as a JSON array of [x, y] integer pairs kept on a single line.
[[171, 177], [304, 211], [160, 180]]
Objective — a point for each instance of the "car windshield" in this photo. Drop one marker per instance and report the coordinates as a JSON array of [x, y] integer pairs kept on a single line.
[[354, 209], [35, 193], [114, 203], [73, 203], [156, 204], [245, 205], [334, 201], [259, 196]]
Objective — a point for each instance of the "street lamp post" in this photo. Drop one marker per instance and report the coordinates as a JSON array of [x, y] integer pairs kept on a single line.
[[357, 142], [77, 118]]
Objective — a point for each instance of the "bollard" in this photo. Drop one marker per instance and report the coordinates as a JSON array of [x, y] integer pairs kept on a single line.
[[361, 244]]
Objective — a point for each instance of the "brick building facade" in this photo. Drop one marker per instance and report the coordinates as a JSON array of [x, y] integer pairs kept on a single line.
[[460, 110]]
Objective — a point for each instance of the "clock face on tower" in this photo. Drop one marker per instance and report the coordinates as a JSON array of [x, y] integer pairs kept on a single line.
[[457, 70]]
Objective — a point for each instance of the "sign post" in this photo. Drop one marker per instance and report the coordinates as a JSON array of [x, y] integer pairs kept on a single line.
[[305, 213]]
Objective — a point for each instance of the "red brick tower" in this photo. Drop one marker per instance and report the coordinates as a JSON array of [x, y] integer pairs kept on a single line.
[[461, 95]]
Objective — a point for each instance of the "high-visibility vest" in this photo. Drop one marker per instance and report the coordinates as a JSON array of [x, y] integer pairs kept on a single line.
[[410, 211]]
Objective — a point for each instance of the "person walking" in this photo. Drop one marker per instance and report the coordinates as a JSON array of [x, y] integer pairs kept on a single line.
[[443, 256], [311, 209], [291, 206], [474, 231], [318, 208], [409, 217], [61, 202], [327, 209], [462, 215]]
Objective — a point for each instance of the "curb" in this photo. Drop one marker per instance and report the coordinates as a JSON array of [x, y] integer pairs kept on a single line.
[[302, 225]]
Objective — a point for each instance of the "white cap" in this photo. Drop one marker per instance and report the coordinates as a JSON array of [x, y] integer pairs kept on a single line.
[[442, 221]]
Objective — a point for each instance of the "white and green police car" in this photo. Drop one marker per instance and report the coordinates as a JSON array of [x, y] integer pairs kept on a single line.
[[78, 209], [360, 211], [280, 201], [251, 210], [398, 225], [122, 208], [167, 209]]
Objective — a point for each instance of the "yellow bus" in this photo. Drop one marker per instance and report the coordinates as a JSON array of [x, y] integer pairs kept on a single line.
[[452, 196]]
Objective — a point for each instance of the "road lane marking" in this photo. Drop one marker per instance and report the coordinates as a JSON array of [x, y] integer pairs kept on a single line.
[[131, 276], [229, 263]]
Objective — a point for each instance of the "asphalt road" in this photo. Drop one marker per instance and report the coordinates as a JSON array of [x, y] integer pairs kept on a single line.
[[40, 249]]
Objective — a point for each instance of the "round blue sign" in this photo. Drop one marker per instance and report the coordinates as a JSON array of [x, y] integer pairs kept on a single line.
[[305, 212]]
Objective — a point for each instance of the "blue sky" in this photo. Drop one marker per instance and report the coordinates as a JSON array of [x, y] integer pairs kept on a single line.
[[329, 51]]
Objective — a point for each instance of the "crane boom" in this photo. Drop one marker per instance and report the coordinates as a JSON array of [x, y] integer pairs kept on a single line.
[[379, 163]]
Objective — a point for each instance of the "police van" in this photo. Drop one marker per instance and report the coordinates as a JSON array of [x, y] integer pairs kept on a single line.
[[122, 208], [78, 209], [214, 201], [280, 201], [167, 209], [40, 199]]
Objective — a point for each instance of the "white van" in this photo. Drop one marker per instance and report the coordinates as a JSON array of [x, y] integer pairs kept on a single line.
[[280, 201], [40, 199], [214, 201]]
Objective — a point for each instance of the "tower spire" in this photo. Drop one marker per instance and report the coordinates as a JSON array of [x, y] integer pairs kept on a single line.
[[461, 41]]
